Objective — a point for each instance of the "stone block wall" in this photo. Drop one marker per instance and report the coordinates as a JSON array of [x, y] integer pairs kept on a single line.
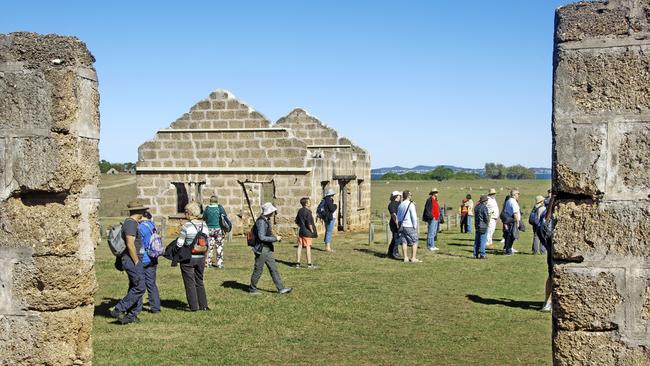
[[222, 140], [49, 134], [601, 167]]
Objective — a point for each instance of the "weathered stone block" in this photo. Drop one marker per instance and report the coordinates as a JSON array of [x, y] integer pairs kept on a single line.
[[584, 20], [595, 348], [592, 81], [54, 283], [597, 231], [580, 162], [630, 160], [588, 298], [227, 115]]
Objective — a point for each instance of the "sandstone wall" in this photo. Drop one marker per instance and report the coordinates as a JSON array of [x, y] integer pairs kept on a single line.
[[49, 133], [601, 163], [221, 141]]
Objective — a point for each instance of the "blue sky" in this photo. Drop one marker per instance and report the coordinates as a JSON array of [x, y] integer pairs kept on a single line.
[[414, 82]]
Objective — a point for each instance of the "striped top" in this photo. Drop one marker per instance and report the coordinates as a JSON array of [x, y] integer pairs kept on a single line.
[[189, 231]]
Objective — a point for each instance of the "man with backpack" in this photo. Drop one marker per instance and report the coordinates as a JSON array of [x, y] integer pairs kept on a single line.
[[533, 219], [130, 260], [262, 246], [510, 217], [431, 215], [150, 237], [213, 216], [393, 248]]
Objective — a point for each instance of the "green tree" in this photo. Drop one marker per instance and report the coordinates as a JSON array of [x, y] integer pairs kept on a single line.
[[104, 166]]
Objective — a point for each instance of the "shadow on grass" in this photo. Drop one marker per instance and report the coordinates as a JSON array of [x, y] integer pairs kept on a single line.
[[235, 285], [460, 245], [370, 251], [104, 307], [286, 263], [526, 305], [173, 304]]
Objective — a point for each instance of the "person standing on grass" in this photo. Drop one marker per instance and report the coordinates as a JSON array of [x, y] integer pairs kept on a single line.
[[146, 229], [539, 207], [263, 250], [431, 216], [212, 216], [482, 220], [126, 311], [463, 215], [393, 248], [545, 232], [192, 269], [407, 227], [306, 232], [330, 209], [511, 225], [493, 211], [470, 213]]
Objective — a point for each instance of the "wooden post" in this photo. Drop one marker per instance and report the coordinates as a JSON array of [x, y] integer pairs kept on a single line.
[[388, 233], [371, 233]]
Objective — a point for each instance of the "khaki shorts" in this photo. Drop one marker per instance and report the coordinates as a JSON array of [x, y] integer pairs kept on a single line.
[[304, 242]]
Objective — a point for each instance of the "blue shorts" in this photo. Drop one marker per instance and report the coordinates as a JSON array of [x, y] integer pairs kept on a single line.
[[408, 236]]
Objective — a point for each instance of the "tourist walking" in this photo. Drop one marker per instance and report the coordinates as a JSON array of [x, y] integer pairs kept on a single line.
[[212, 217], [482, 220], [192, 236], [407, 227], [538, 209], [127, 309], [470, 213], [328, 217], [393, 205], [306, 232], [493, 211], [146, 229], [263, 249], [431, 215], [511, 218]]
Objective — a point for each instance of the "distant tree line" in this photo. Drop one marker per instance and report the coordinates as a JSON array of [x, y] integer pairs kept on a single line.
[[500, 171], [105, 166], [440, 173]]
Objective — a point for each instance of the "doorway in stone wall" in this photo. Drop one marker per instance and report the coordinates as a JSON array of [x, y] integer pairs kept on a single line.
[[344, 202]]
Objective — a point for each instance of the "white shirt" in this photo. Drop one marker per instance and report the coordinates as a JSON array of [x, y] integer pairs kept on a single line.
[[410, 218], [493, 208], [511, 207]]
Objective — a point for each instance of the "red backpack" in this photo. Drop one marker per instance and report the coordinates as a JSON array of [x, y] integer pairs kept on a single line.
[[199, 244]]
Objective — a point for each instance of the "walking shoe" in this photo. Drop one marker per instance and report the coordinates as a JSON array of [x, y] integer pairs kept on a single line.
[[254, 292], [415, 260], [116, 314], [482, 257], [515, 250], [406, 260], [285, 290], [311, 266], [124, 321], [297, 265]]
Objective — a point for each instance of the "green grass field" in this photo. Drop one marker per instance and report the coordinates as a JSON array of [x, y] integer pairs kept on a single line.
[[357, 308]]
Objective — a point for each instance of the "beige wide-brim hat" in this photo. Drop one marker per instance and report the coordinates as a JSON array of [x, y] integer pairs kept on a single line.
[[492, 191], [435, 190], [539, 199], [268, 208], [136, 206]]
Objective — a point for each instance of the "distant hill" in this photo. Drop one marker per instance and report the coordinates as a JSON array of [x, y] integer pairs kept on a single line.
[[540, 173]]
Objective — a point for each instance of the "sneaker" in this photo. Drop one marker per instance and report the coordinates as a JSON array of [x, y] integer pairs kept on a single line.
[[515, 250], [482, 257], [415, 260], [116, 314], [124, 321], [406, 260], [285, 290], [254, 292], [297, 265], [435, 248], [311, 266]]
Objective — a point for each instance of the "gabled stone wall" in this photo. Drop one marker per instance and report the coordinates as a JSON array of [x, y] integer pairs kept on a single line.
[[222, 141], [49, 133], [601, 167]]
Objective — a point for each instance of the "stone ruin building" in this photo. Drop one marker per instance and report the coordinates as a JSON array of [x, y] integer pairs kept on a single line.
[[601, 168], [222, 146], [49, 134]]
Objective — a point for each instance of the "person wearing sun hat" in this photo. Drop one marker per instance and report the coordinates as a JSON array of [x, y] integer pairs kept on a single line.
[[493, 211], [431, 216], [127, 309], [481, 220], [263, 250], [540, 207], [393, 248], [330, 208]]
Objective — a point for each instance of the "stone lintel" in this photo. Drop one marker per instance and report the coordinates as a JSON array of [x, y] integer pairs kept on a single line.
[[329, 146], [141, 170], [185, 130]]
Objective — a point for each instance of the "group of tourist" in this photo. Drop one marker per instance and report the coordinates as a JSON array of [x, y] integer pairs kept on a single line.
[[199, 237]]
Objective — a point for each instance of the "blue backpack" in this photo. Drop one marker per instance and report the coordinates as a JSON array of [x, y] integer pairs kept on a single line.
[[320, 210]]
